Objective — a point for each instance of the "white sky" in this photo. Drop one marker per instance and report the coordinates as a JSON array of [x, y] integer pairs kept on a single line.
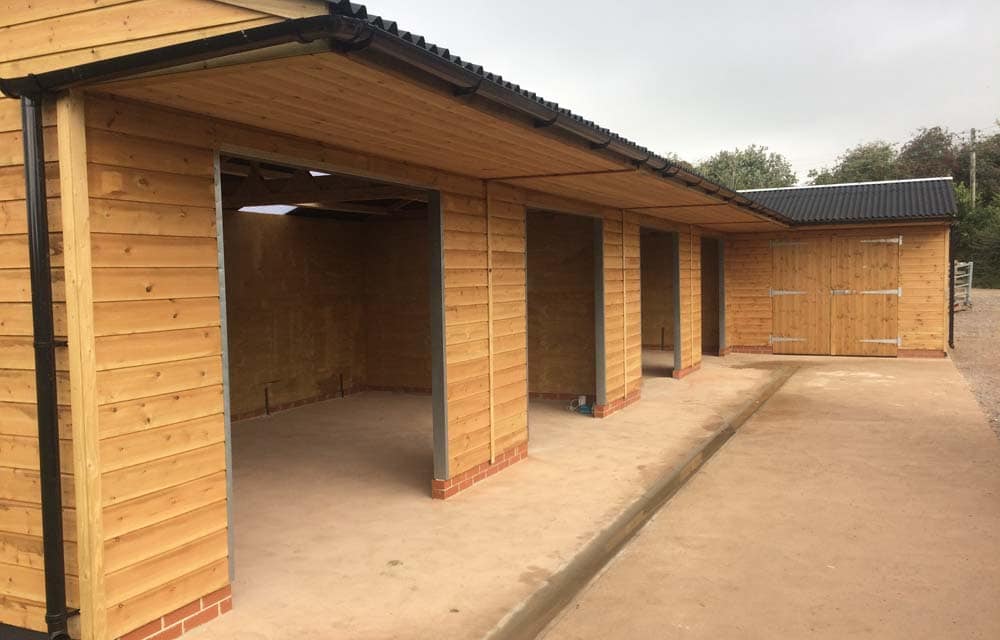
[[806, 78]]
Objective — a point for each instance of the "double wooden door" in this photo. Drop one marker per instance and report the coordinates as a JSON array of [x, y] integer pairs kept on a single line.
[[836, 295]]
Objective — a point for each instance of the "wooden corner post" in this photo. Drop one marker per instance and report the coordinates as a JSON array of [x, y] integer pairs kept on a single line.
[[75, 210], [439, 372]]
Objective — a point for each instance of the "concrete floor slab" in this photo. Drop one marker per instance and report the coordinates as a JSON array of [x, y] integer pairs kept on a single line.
[[863, 501], [336, 536]]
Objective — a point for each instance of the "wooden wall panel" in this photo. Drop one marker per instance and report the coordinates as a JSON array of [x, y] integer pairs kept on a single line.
[[561, 304], [710, 296], [748, 283], [42, 35], [295, 292], [633, 306], [156, 315], [22, 591], [923, 275], [614, 308], [622, 307], [508, 245], [486, 339], [689, 263], [657, 290], [397, 308]]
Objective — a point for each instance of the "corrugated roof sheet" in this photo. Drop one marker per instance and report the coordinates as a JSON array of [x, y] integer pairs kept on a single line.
[[892, 200], [601, 136], [360, 12]]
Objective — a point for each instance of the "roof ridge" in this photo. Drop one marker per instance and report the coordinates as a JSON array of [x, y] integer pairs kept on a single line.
[[845, 184]]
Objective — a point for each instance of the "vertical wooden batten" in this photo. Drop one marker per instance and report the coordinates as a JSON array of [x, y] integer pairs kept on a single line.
[[75, 206]]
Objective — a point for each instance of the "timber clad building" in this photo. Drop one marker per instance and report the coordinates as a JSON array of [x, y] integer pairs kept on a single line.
[[445, 234]]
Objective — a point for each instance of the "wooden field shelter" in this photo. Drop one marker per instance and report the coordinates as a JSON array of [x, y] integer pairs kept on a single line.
[[255, 205]]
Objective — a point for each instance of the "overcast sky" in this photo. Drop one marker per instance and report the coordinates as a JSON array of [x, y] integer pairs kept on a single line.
[[806, 78]]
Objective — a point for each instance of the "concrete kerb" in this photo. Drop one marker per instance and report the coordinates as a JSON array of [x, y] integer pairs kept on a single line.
[[535, 614]]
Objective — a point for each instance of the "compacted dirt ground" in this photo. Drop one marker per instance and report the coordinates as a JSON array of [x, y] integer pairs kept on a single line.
[[977, 350], [862, 501]]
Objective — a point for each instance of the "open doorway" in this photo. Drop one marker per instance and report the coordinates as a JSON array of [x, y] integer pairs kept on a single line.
[[659, 281], [327, 304], [712, 313], [560, 304]]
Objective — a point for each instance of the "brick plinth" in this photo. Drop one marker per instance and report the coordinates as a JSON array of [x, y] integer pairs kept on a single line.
[[749, 348], [194, 614], [681, 373], [920, 353], [605, 410], [444, 489]]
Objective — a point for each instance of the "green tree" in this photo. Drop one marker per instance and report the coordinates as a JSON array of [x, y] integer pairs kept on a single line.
[[866, 162], [931, 153], [978, 232], [987, 166], [750, 168]]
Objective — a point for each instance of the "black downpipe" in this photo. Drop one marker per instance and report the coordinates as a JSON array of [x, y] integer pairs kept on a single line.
[[952, 243], [45, 368]]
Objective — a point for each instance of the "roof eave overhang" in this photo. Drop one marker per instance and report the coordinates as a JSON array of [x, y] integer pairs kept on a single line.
[[361, 37]]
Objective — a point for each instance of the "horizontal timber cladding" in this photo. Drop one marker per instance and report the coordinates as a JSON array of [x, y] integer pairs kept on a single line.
[[486, 339], [622, 311], [561, 305], [921, 310], [22, 586], [318, 308], [157, 354], [295, 292], [711, 339], [688, 352], [658, 290], [101, 29], [397, 309]]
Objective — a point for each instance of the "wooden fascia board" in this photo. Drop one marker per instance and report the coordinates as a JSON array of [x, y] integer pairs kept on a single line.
[[282, 8]]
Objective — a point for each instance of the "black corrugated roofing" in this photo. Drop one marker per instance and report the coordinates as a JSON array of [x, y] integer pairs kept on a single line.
[[894, 200], [548, 112]]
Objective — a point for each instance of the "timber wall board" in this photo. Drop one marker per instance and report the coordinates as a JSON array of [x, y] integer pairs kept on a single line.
[[622, 307], [657, 290], [42, 35], [159, 378], [22, 580], [923, 276], [748, 283], [689, 263], [561, 304], [709, 296], [295, 294], [485, 328], [397, 309]]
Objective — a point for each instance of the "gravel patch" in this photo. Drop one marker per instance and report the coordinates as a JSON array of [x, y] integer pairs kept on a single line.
[[977, 350]]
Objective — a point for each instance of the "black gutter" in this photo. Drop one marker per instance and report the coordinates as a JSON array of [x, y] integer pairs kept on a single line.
[[340, 31], [46, 396]]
